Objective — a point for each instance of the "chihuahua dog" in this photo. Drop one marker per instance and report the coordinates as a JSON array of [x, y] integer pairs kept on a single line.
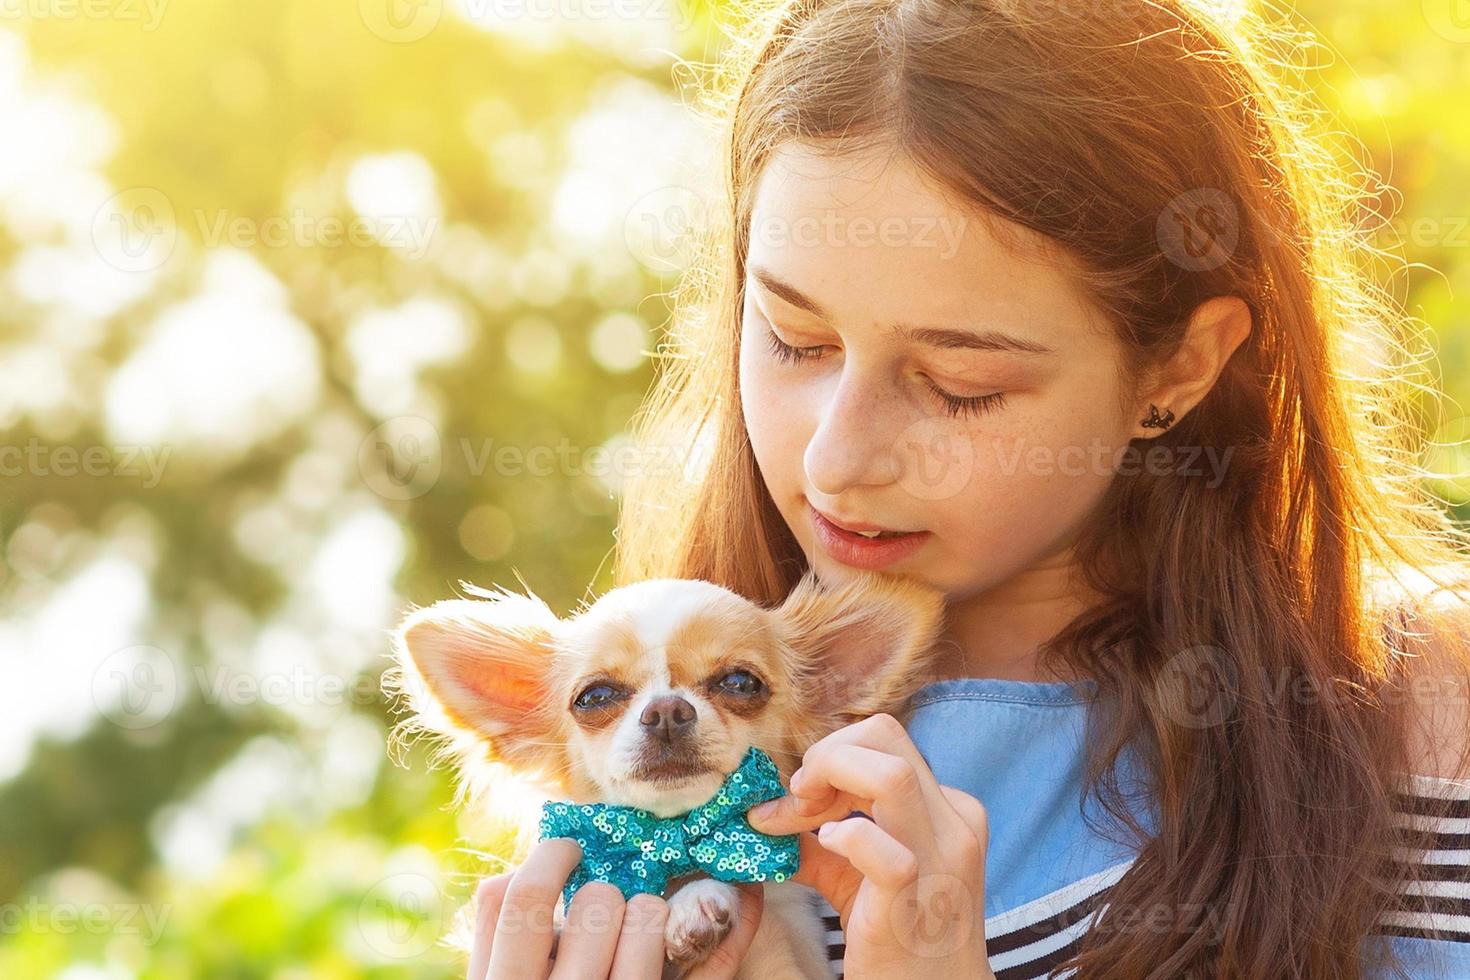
[[652, 695]]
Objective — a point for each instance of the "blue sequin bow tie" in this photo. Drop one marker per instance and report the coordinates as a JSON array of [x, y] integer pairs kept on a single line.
[[639, 852]]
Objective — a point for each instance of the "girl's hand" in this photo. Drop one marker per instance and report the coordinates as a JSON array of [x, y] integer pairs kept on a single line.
[[909, 884], [603, 936]]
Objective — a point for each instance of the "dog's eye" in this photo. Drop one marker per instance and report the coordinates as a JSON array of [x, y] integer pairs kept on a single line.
[[741, 682], [596, 696]]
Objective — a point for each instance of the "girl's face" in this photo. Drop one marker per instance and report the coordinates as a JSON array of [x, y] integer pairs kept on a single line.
[[942, 381]]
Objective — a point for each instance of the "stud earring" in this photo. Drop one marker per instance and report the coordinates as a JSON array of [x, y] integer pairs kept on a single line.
[[1156, 421]]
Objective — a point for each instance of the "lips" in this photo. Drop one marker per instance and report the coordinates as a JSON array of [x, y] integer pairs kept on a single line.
[[845, 544], [669, 770], [858, 526]]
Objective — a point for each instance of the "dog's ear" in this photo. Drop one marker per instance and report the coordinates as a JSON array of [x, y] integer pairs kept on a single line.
[[483, 667], [864, 645]]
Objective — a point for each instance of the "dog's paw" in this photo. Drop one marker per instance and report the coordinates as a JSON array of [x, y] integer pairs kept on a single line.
[[701, 914]]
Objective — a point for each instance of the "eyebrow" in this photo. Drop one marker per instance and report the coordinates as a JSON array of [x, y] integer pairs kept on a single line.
[[947, 338]]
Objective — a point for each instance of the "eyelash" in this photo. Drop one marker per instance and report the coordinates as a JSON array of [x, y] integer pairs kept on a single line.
[[954, 404]]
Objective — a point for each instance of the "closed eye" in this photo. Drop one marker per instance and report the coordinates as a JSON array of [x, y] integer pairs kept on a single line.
[[954, 404], [967, 405], [787, 352]]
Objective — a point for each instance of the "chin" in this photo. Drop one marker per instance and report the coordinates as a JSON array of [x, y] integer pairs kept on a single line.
[[666, 797]]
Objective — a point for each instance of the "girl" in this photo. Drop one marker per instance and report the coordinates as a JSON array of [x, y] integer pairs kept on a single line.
[[1073, 301]]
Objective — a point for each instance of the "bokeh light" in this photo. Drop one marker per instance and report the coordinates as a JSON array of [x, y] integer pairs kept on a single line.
[[295, 297]]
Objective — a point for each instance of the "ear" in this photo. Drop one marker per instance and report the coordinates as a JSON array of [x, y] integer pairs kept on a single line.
[[1216, 328], [483, 667], [863, 646]]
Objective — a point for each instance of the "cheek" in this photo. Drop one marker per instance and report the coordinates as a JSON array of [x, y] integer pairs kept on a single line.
[[589, 753], [1018, 480], [1055, 453], [600, 723], [732, 710], [610, 739], [1033, 484], [729, 723], [774, 418]]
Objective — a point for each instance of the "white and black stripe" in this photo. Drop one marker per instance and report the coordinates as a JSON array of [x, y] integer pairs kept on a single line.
[[836, 947], [1027, 940], [1031, 939], [1435, 903]]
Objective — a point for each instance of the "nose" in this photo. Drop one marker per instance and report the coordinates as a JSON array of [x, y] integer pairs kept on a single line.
[[668, 716], [851, 444]]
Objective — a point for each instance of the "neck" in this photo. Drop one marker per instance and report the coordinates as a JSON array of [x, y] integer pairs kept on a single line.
[[999, 632]]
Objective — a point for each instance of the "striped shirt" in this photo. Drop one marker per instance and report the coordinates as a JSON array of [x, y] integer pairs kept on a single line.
[[1018, 747]]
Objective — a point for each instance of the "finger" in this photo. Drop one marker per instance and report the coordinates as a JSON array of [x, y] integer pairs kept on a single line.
[[792, 814], [488, 895], [972, 812], [873, 851], [826, 871], [640, 952], [885, 733], [885, 786], [590, 936], [523, 935], [725, 960], [810, 798], [810, 803]]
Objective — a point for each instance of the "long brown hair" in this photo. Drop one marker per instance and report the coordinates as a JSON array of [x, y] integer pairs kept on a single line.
[[1121, 131]]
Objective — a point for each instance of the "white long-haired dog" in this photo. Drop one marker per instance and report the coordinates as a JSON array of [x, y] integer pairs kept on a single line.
[[651, 695]]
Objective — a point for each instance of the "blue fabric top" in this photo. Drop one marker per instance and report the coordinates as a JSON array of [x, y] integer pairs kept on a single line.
[[1018, 747]]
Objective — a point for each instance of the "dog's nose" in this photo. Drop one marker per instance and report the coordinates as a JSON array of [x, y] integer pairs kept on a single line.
[[667, 716]]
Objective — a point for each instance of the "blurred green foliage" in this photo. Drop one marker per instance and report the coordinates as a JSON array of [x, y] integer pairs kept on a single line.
[[164, 847]]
